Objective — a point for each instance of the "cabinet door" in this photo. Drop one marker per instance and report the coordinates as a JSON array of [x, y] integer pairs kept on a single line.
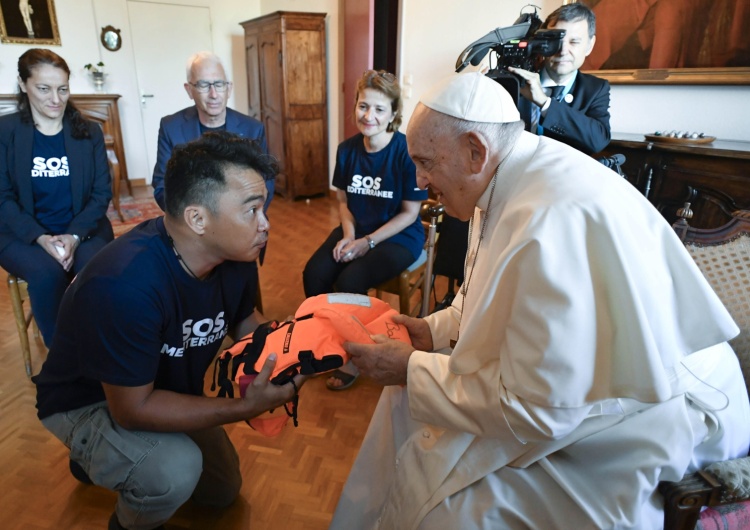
[[307, 154], [305, 67], [252, 63], [308, 158], [272, 97]]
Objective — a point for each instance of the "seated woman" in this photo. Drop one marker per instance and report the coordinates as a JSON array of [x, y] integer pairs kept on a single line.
[[380, 233], [55, 186]]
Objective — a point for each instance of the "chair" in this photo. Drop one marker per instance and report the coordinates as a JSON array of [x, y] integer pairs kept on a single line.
[[411, 280], [114, 171], [723, 255], [450, 257], [19, 293]]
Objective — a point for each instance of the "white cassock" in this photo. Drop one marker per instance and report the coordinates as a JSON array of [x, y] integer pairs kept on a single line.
[[592, 363]]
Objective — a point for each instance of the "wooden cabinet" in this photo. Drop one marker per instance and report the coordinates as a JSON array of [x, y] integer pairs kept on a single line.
[[286, 79], [102, 109], [664, 173]]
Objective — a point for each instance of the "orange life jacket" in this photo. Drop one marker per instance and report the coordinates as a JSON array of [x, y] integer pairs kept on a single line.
[[311, 343]]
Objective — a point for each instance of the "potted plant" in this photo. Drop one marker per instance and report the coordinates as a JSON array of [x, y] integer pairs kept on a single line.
[[97, 74]]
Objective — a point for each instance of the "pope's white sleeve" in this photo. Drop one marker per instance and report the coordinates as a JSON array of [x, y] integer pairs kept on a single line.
[[478, 403]]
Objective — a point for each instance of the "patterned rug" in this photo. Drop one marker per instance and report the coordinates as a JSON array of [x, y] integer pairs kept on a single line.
[[134, 211]]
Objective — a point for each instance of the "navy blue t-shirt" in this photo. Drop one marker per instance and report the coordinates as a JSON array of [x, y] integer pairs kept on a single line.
[[133, 316], [50, 183], [205, 129], [376, 183]]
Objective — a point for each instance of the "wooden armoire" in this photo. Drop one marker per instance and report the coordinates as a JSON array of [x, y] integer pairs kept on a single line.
[[286, 77]]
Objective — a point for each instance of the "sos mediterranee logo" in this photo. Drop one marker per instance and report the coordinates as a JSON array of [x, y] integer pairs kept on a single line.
[[197, 333], [50, 167], [368, 186]]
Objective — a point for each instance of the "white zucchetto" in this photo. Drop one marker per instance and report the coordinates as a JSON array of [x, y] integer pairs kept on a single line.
[[472, 96]]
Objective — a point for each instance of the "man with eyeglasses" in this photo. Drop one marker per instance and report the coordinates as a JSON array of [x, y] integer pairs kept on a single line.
[[208, 87]]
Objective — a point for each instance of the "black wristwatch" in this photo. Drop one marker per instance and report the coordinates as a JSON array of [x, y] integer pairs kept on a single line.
[[370, 241]]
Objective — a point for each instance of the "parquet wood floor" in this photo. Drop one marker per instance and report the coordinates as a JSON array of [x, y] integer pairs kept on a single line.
[[292, 481]]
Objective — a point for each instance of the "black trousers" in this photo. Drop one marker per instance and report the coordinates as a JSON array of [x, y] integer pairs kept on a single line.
[[323, 274]]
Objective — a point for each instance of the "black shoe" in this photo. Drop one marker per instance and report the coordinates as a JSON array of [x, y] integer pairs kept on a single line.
[[77, 471], [114, 524]]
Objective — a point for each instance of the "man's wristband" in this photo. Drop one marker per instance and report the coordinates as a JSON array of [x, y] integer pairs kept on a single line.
[[370, 241]]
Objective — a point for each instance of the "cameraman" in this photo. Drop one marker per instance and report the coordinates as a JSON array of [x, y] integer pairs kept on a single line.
[[578, 114]]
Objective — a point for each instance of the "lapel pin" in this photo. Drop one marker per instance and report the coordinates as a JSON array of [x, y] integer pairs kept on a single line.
[[568, 98]]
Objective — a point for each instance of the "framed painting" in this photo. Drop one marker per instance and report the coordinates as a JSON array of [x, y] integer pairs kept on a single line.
[[704, 42], [29, 22]]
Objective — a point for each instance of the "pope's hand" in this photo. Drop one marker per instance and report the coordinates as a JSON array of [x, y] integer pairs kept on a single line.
[[385, 361]]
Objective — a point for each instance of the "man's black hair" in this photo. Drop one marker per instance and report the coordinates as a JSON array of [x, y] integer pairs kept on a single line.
[[572, 13], [196, 170]]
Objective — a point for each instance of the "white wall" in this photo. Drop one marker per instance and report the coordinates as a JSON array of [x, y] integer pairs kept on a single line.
[[721, 111], [434, 33]]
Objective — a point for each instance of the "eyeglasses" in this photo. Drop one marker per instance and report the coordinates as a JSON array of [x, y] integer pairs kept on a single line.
[[205, 86]]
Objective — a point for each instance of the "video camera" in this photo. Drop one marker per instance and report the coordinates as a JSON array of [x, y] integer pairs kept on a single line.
[[521, 45]]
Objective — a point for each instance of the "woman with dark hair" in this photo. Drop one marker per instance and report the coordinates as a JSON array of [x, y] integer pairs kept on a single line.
[[55, 186], [380, 233]]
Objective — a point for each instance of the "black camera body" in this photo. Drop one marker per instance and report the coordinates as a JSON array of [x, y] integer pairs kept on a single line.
[[525, 53], [520, 45]]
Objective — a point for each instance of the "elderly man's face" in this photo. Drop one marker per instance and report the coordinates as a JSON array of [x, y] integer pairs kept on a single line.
[[211, 104], [441, 165]]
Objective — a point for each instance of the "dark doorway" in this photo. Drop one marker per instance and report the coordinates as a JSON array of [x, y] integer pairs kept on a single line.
[[370, 41], [386, 35]]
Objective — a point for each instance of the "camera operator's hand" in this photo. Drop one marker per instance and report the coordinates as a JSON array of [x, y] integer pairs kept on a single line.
[[532, 89]]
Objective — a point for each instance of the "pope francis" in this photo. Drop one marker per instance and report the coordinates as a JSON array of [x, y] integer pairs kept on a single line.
[[583, 361]]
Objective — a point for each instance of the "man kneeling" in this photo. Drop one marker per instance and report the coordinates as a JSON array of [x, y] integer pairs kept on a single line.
[[138, 328]]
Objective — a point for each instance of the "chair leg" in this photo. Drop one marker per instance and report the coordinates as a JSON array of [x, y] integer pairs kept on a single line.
[[683, 500], [114, 171], [403, 293], [18, 312]]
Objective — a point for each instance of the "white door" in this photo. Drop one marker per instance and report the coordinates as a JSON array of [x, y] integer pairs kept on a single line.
[[164, 36]]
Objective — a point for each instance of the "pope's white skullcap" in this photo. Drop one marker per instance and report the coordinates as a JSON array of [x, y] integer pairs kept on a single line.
[[472, 96]]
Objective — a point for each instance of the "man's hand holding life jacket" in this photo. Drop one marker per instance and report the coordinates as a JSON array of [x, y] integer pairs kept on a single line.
[[262, 395]]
